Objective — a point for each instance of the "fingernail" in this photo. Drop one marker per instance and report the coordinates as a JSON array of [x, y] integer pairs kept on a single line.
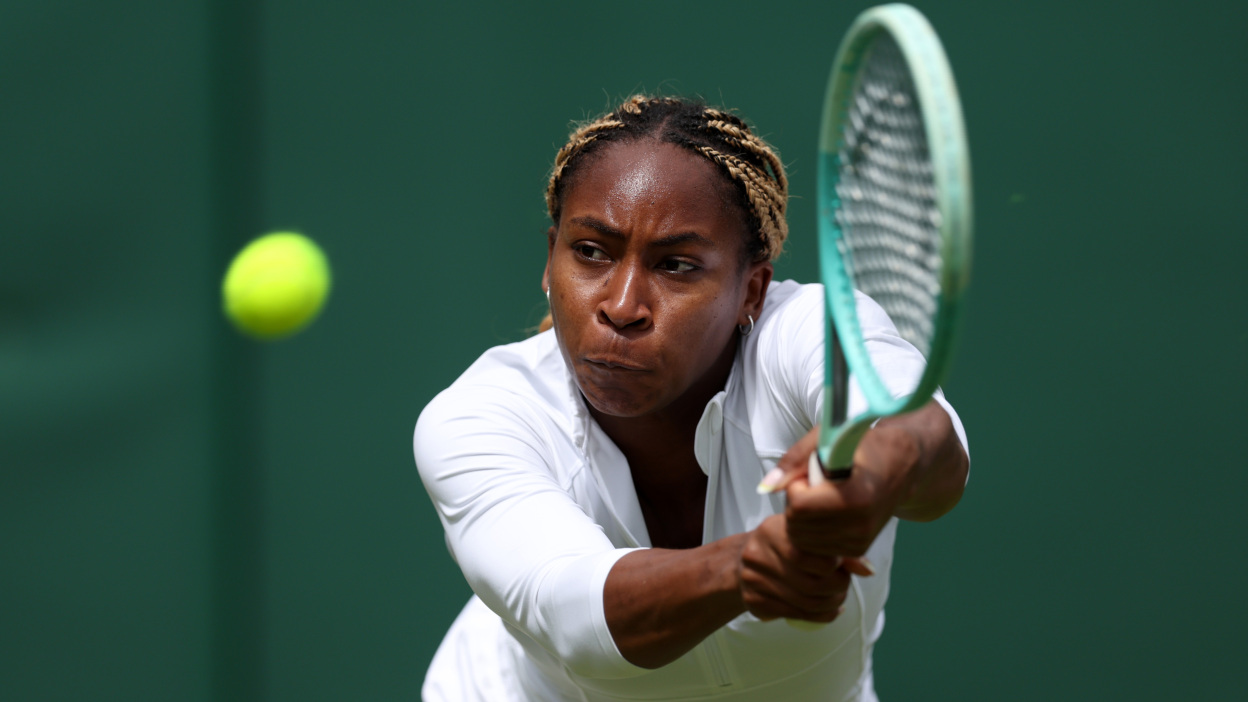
[[868, 565], [770, 481]]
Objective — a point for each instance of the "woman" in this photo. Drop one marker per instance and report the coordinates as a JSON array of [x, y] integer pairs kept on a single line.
[[597, 482]]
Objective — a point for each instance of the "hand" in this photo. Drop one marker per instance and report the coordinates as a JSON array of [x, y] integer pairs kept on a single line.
[[778, 580], [842, 518]]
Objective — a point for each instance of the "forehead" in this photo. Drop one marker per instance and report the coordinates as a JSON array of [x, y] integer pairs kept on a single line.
[[654, 181]]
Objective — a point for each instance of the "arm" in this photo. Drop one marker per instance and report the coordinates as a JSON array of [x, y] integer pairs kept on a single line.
[[660, 603], [911, 466], [527, 549], [535, 558]]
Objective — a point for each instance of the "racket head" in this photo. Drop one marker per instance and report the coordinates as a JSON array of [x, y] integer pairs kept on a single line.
[[894, 200]]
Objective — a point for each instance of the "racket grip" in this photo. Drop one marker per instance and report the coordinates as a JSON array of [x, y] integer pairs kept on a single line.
[[815, 469], [818, 474]]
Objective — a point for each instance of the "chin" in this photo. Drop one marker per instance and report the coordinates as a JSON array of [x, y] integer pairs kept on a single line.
[[616, 402]]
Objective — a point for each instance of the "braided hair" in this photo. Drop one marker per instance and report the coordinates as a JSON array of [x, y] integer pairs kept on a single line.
[[748, 162]]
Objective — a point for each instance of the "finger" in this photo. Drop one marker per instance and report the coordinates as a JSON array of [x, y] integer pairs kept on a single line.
[[780, 569], [814, 622], [803, 576], [769, 603], [822, 518], [805, 497], [803, 572], [776, 479], [816, 565], [838, 535], [858, 566], [792, 465], [821, 567], [845, 538]]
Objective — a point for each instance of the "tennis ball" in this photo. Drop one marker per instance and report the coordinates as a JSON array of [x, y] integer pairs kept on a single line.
[[276, 285]]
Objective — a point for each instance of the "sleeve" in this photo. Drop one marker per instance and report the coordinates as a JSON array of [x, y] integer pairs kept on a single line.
[[898, 362], [797, 355], [525, 547]]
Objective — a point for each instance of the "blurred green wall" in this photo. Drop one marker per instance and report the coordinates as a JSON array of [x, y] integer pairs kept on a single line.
[[187, 515], [105, 352]]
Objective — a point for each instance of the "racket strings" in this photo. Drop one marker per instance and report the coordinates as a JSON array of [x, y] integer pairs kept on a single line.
[[888, 215]]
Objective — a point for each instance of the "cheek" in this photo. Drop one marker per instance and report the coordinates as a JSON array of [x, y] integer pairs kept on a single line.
[[707, 327]]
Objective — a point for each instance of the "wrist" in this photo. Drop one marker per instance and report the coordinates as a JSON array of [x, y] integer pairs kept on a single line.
[[732, 581]]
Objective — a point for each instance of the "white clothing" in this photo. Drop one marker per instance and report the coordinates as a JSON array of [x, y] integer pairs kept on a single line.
[[538, 504]]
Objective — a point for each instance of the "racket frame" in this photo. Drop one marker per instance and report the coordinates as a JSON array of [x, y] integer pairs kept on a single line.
[[946, 138]]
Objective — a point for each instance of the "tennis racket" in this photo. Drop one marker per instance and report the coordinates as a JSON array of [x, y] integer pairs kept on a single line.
[[894, 198]]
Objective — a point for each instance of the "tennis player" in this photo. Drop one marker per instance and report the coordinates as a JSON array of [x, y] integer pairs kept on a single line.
[[599, 483]]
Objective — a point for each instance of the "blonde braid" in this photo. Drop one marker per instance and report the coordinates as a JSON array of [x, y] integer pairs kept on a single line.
[[746, 140], [577, 142], [767, 188]]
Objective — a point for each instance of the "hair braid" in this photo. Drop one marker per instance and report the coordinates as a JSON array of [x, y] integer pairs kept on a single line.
[[762, 194], [746, 140], [577, 142]]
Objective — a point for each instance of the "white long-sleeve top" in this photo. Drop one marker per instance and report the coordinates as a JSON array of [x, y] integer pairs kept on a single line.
[[538, 504]]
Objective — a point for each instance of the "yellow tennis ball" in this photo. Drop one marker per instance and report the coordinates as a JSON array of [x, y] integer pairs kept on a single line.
[[276, 285]]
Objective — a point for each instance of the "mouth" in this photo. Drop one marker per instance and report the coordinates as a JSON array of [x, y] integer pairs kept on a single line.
[[610, 363]]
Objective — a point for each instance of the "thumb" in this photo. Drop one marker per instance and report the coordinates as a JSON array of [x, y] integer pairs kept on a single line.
[[793, 465], [858, 566]]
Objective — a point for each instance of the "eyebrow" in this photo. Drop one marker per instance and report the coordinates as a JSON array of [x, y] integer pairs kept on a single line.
[[669, 240]]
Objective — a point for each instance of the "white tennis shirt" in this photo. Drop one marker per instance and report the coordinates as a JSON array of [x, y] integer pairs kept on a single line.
[[538, 504]]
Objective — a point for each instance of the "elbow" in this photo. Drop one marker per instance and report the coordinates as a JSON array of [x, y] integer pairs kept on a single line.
[[569, 619], [943, 489]]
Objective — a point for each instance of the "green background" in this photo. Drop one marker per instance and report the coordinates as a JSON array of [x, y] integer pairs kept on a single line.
[[188, 515]]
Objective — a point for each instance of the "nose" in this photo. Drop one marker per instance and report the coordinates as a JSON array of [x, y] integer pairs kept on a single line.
[[625, 303]]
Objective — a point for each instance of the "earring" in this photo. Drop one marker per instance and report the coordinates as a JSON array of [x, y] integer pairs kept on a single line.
[[548, 295], [742, 328]]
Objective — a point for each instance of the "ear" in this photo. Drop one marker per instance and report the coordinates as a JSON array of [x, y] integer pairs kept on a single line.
[[551, 235], [757, 279]]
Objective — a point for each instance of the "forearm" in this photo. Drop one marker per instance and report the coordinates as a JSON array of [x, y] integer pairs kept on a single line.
[[938, 476], [660, 603]]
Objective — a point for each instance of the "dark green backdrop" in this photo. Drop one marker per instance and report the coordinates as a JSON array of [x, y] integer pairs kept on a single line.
[[187, 515]]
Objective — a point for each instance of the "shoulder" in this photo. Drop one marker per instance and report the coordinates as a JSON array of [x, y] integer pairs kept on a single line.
[[531, 368], [515, 388], [794, 310], [791, 302], [792, 313], [787, 299]]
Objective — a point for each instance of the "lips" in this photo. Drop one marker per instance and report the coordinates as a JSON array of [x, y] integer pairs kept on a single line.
[[612, 363]]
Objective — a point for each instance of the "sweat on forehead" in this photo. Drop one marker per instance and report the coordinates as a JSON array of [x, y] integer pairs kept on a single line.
[[646, 159], [750, 167]]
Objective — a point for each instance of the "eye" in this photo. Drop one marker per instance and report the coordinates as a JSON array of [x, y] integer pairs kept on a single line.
[[674, 265], [591, 252]]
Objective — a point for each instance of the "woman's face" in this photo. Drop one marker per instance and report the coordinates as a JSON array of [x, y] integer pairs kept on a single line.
[[646, 280]]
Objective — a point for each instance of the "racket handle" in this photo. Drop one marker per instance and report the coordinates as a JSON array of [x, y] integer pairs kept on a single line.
[[818, 474]]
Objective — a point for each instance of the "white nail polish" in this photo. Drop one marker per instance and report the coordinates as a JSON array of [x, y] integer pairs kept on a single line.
[[770, 481]]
